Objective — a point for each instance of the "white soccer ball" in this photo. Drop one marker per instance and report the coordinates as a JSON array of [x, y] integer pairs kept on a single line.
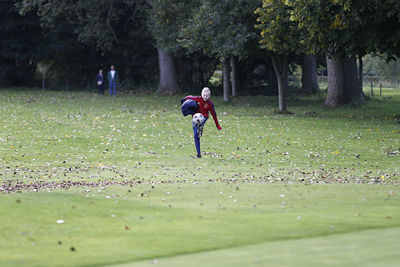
[[198, 118]]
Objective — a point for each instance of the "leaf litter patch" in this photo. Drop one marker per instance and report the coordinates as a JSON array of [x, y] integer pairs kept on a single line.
[[321, 176]]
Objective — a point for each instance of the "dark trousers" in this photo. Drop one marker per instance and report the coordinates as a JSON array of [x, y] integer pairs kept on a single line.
[[101, 89]]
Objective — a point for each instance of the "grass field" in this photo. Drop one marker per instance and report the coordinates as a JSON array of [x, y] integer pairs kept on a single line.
[[88, 180]]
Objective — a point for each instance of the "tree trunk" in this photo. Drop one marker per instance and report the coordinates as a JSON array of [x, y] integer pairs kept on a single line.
[[336, 88], [343, 83], [168, 79], [281, 63], [234, 76], [309, 78], [226, 79], [360, 73], [352, 82]]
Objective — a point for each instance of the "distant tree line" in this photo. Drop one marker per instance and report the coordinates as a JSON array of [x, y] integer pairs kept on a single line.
[[178, 44]]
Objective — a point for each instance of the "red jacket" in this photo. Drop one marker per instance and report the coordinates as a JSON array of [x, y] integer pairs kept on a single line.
[[205, 107]]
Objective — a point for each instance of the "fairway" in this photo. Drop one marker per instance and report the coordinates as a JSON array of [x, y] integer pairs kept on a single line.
[[88, 180], [363, 248]]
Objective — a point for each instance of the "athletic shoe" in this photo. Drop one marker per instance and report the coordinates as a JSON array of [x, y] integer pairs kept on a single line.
[[198, 155]]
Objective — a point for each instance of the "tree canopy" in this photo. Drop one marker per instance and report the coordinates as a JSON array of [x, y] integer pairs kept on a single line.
[[220, 28], [179, 44]]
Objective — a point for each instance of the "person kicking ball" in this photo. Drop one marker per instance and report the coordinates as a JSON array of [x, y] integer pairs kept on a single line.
[[204, 106]]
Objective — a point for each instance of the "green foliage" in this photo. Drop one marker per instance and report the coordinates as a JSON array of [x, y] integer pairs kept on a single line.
[[339, 28], [349, 27], [279, 30], [165, 18], [220, 28], [125, 33]]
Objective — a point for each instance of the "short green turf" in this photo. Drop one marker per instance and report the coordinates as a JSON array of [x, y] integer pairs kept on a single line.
[[125, 224], [122, 175], [378, 247]]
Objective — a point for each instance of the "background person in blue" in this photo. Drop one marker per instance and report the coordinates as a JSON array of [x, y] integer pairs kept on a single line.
[[113, 79], [100, 82]]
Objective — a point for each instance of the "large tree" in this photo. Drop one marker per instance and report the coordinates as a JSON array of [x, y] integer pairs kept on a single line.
[[345, 30], [281, 37], [165, 18], [330, 29], [221, 29], [341, 29]]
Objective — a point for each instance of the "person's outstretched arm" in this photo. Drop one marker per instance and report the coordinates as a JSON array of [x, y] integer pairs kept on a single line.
[[214, 115]]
